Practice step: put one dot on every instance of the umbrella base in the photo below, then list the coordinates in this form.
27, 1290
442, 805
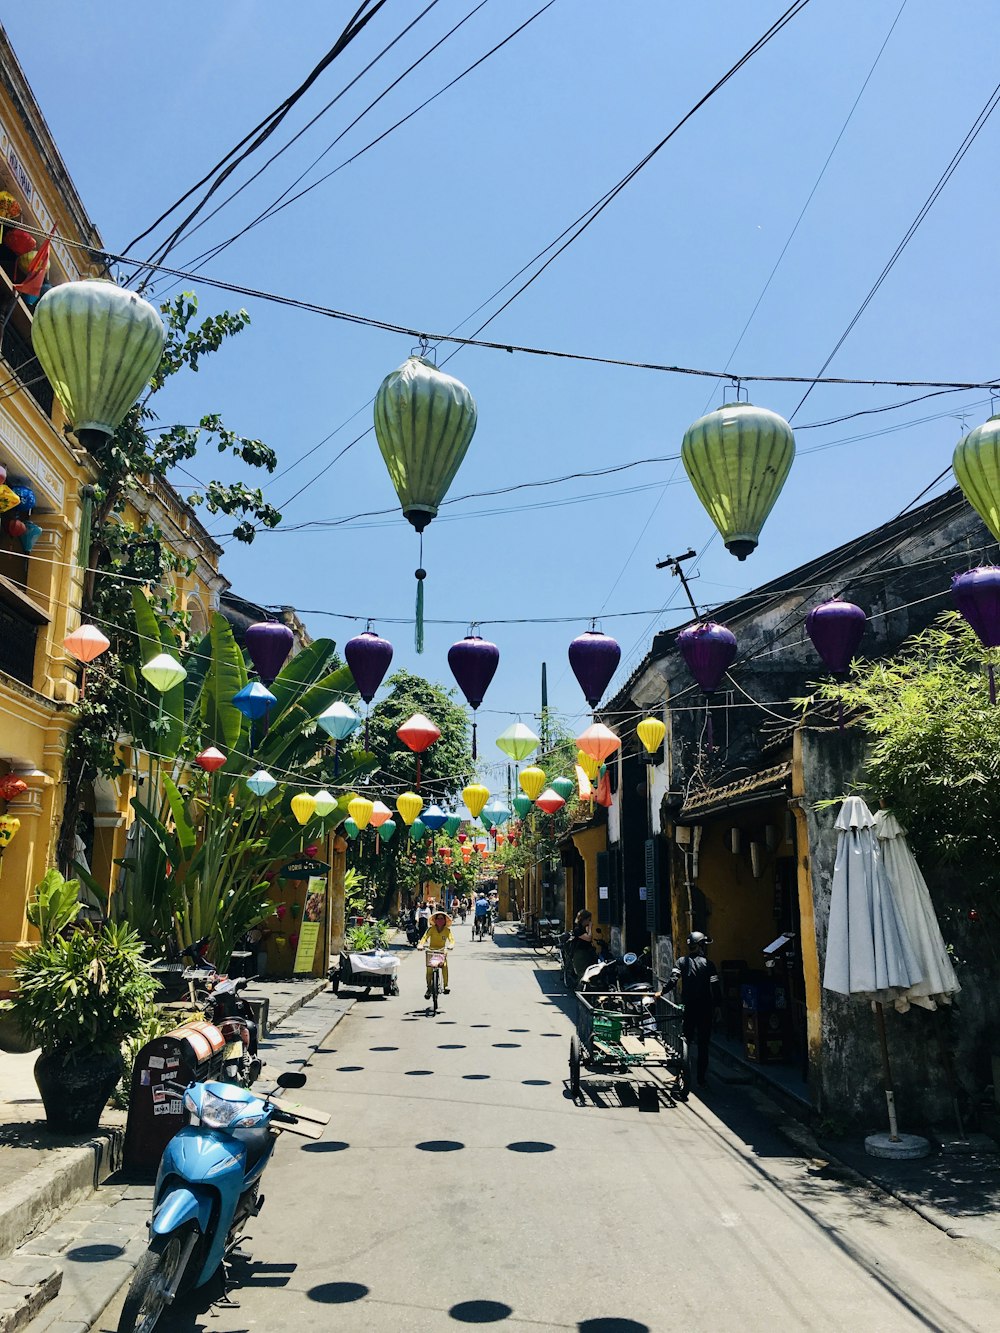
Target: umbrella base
906, 1147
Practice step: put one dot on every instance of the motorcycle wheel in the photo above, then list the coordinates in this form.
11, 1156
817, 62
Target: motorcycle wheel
575, 1056
147, 1296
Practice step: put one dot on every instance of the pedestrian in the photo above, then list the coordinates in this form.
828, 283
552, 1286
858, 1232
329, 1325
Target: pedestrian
583, 953
700, 995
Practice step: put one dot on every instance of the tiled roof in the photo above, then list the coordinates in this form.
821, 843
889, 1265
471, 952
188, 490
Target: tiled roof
768, 782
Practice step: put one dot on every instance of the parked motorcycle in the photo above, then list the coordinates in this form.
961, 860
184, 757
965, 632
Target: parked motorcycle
220, 999
626, 984
207, 1189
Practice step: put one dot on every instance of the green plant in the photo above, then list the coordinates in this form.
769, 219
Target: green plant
84, 992
934, 755
54, 905
360, 938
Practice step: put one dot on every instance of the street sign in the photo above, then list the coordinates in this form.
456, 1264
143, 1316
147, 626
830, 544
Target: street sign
303, 868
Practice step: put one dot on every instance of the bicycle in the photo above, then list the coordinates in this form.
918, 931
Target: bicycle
546, 941
479, 928
435, 961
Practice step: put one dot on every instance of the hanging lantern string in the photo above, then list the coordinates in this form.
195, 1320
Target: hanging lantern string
508, 347
418, 622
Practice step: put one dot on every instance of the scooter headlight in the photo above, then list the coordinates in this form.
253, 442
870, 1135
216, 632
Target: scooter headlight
213, 1112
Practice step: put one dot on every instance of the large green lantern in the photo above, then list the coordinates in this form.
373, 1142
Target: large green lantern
977, 471
424, 424
737, 459
98, 344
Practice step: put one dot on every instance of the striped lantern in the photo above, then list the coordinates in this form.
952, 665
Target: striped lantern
98, 345
424, 424
737, 459
977, 470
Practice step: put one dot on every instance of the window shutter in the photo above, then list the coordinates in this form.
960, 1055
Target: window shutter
652, 884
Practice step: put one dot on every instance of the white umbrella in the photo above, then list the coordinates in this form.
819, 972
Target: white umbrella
938, 981
868, 948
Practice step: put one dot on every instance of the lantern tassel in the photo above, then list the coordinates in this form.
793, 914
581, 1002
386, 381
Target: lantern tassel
993, 685
709, 729
418, 624
475, 753
336, 759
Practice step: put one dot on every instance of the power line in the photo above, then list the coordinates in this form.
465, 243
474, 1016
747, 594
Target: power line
971, 135
261, 132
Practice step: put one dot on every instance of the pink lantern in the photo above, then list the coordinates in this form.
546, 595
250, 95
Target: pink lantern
380, 813
418, 734
550, 801
86, 643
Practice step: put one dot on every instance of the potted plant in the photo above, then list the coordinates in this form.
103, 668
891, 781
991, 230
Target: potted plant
82, 991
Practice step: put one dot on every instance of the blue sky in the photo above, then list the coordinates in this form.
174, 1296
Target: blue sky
420, 230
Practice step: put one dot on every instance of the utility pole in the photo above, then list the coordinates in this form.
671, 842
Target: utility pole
545, 708
673, 563
337, 852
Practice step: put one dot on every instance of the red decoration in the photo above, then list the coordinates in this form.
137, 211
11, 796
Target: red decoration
211, 760
973, 914
11, 786
550, 801
16, 528
312, 849
463, 837
418, 733
18, 240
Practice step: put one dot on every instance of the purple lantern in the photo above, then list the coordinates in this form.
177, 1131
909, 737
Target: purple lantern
836, 629
268, 644
977, 596
708, 649
473, 662
368, 656
594, 658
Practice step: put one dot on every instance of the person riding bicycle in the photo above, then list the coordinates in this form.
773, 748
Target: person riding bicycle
482, 911
438, 939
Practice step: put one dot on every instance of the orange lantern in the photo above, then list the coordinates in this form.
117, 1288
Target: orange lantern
11, 787
550, 801
466, 854
86, 643
599, 742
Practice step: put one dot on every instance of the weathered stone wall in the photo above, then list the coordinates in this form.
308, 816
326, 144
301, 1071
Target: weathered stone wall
930, 1052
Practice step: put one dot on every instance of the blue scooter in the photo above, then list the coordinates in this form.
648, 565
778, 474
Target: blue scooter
207, 1189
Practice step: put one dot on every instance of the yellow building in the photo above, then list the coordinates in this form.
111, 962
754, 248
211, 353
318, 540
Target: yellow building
38, 591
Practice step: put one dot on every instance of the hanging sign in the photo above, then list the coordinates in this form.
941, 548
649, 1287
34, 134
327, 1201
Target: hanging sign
303, 867
312, 919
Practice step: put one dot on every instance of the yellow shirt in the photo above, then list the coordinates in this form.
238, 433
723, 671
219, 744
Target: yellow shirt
437, 939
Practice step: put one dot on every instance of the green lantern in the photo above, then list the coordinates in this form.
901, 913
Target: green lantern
486, 819
350, 828
522, 804
452, 824
977, 471
737, 459
98, 345
424, 424
417, 830
387, 831
517, 742
566, 787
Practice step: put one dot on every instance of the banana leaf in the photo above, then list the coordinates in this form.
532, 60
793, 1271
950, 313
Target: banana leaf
226, 675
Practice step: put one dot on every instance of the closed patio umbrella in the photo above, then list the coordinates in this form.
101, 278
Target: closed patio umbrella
868, 950
938, 982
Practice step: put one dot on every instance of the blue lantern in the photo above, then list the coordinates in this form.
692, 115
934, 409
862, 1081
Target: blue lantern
261, 783
338, 721
434, 818
254, 700
28, 502
30, 535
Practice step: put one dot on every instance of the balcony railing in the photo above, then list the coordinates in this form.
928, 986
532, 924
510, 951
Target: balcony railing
17, 645
18, 354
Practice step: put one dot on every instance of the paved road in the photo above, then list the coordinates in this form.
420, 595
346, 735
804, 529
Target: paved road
458, 1184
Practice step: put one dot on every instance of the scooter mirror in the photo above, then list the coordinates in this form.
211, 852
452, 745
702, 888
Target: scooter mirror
291, 1080
630, 959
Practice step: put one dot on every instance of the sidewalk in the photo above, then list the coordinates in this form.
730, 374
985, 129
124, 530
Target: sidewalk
70, 1233
956, 1188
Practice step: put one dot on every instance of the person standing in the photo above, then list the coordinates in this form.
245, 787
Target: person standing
700, 995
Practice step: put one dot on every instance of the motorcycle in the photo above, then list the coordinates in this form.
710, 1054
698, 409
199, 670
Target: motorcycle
207, 1189
219, 998
413, 931
626, 984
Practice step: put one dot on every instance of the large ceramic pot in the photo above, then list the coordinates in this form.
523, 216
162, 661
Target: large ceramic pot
76, 1091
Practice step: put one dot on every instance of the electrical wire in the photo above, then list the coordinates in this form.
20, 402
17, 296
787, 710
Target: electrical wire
218, 174
970, 137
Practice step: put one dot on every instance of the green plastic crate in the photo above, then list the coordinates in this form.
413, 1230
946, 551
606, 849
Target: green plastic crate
608, 1026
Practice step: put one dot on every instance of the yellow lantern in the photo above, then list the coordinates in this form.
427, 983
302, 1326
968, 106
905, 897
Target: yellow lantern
532, 782
8, 827
303, 807
475, 797
360, 809
651, 732
589, 764
409, 806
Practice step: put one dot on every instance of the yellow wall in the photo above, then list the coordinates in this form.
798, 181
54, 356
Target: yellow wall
741, 920
589, 843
